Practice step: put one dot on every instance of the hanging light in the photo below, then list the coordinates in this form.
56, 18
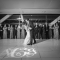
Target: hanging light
19, 17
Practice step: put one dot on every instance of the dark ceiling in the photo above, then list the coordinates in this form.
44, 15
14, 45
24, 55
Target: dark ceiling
2, 15
40, 18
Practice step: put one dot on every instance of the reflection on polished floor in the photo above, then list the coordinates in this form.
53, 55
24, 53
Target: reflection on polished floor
45, 49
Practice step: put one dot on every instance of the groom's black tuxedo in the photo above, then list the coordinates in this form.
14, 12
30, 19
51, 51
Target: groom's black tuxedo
32, 32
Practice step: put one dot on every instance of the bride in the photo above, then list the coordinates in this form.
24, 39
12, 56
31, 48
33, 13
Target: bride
27, 28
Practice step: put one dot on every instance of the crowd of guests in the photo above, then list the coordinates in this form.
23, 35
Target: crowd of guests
41, 31
11, 32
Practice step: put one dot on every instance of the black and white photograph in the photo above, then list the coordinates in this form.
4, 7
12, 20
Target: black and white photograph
29, 29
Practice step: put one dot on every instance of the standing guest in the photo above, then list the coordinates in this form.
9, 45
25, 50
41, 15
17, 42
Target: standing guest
20, 29
50, 32
5, 32
36, 31
39, 31
43, 33
1, 32
22, 33
8, 32
18, 32
15, 32
11, 32
47, 31
32, 33
56, 33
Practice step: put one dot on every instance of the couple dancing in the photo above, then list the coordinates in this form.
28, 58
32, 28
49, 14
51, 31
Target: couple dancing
28, 26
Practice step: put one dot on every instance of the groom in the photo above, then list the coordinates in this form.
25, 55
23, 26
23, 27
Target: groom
32, 33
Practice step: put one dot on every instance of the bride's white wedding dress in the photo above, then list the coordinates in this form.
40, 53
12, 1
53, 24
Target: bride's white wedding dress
27, 38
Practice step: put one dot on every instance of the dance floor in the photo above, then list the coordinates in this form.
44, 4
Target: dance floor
13, 49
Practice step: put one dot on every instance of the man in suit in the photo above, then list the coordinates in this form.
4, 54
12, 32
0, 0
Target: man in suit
36, 30
40, 31
32, 33
47, 31
15, 32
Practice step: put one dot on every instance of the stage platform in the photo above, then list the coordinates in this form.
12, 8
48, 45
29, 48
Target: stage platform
44, 49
